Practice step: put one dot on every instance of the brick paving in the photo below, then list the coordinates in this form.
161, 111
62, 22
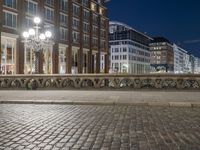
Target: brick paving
85, 127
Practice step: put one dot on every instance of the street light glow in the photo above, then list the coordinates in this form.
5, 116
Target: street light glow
48, 34
25, 34
37, 20
37, 40
42, 36
31, 32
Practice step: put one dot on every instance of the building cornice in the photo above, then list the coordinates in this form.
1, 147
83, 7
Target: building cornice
128, 27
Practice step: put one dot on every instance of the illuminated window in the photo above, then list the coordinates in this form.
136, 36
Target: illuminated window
101, 11
93, 6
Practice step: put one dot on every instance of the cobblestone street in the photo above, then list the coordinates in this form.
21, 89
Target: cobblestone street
98, 127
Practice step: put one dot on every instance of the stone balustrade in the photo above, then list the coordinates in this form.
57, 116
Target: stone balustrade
100, 81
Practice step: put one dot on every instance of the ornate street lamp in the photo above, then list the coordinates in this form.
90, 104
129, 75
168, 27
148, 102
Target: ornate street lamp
37, 40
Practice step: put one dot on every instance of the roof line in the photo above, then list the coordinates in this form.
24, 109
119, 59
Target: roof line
127, 26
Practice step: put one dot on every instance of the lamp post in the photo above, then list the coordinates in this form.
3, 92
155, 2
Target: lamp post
37, 41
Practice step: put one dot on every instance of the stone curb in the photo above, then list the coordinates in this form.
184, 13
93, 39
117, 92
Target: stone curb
158, 104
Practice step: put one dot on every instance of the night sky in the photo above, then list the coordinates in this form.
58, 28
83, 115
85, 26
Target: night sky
177, 20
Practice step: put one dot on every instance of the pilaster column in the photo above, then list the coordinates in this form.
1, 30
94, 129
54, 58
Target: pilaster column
69, 49
20, 45
55, 53
106, 63
80, 51
1, 22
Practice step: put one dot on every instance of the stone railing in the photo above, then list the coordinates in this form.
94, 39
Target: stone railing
100, 81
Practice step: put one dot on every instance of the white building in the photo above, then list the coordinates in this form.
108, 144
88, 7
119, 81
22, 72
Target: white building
188, 64
181, 60
196, 65
129, 50
184, 62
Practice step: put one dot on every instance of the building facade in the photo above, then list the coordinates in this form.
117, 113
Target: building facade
196, 65
181, 60
129, 50
80, 35
162, 56
191, 64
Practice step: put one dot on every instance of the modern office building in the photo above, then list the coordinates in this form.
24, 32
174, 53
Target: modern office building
191, 64
196, 65
80, 35
129, 50
162, 55
181, 61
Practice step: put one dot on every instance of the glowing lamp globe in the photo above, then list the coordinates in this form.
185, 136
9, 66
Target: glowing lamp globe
48, 34
25, 34
37, 20
31, 32
42, 37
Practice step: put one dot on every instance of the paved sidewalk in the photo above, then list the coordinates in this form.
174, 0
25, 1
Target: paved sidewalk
169, 98
91, 127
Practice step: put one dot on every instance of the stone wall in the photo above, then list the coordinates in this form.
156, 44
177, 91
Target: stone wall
100, 81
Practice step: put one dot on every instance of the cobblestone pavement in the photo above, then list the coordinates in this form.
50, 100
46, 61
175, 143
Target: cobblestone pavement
98, 127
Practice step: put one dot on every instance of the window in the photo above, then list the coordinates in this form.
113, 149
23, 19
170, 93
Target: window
95, 31
75, 23
86, 40
95, 42
63, 19
63, 5
10, 20
62, 60
116, 57
63, 34
86, 15
101, 11
10, 3
49, 14
85, 3
75, 37
95, 19
103, 33
103, 23
124, 57
29, 22
103, 44
75, 10
49, 27
93, 7
8, 56
86, 27
124, 49
50, 2
116, 50
31, 8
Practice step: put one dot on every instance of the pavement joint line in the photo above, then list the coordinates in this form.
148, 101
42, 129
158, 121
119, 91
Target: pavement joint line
54, 102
